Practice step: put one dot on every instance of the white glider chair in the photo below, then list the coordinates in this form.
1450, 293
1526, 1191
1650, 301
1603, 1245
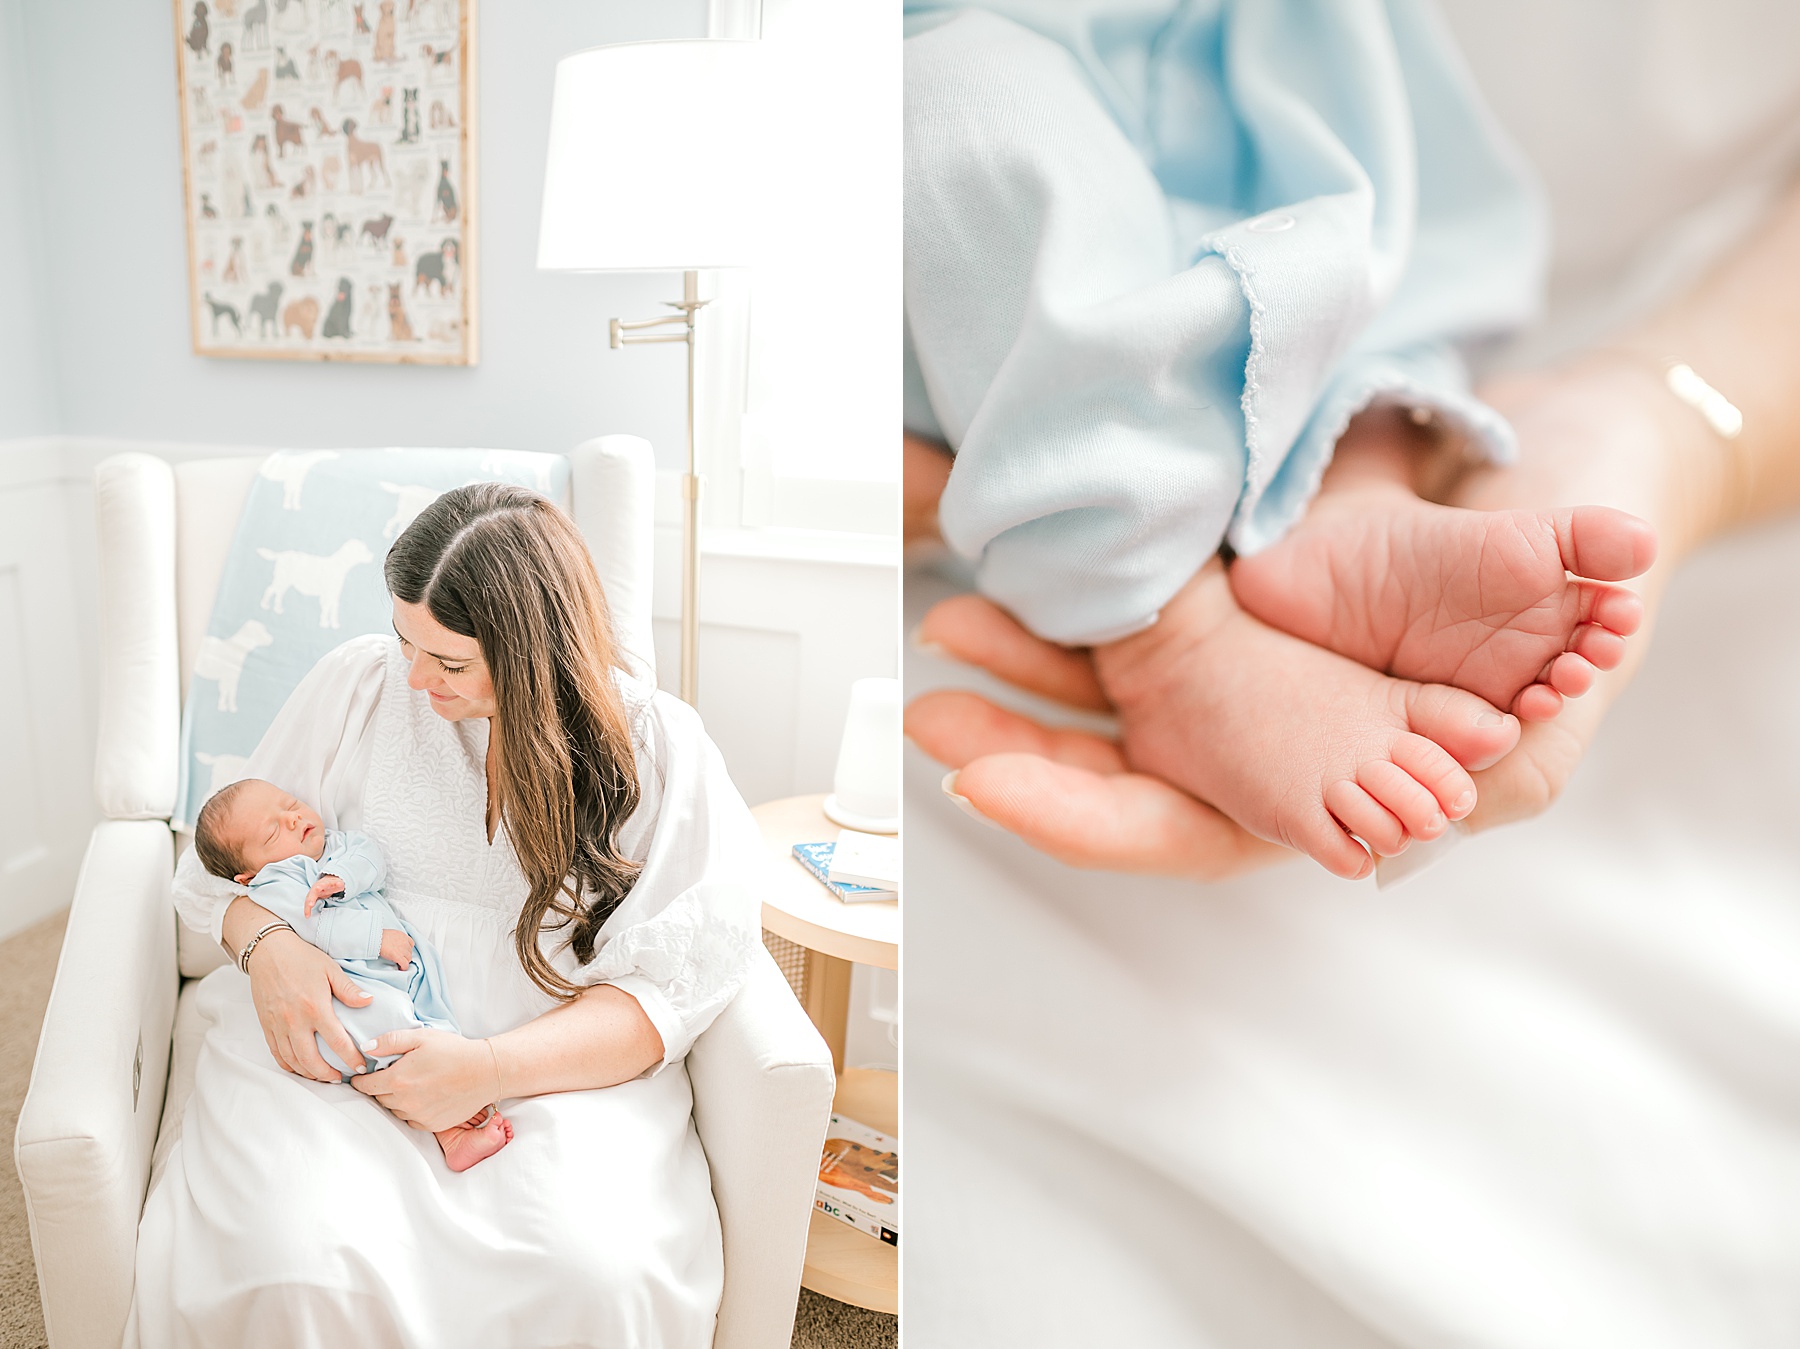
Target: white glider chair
115, 1062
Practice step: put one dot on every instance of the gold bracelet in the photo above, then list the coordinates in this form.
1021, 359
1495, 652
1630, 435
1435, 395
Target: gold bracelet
1722, 417
494, 1056
1719, 411
243, 959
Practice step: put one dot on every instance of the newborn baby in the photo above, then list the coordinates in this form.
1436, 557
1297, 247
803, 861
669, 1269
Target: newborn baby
326, 885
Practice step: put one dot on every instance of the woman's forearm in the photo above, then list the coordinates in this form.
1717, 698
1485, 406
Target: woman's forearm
243, 918
1736, 329
599, 1039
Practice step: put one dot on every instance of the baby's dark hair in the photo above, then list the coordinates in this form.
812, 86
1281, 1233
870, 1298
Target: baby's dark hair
217, 854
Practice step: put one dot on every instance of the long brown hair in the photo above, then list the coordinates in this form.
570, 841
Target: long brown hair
503, 565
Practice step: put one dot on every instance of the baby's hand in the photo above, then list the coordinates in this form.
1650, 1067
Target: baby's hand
396, 946
323, 888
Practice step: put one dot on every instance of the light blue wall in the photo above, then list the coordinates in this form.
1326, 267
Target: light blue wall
27, 384
108, 174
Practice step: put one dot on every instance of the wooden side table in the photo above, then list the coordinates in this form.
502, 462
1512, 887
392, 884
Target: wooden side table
841, 1262
834, 933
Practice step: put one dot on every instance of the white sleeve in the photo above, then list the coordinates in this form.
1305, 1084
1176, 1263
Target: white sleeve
315, 748
681, 942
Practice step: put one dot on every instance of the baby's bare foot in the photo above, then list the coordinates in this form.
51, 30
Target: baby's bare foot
1482, 600
1298, 745
466, 1144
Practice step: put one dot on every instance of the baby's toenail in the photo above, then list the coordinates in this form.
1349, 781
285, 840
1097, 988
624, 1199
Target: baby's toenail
1463, 804
1489, 719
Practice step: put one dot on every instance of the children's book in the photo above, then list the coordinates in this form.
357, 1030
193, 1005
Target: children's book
859, 1179
867, 859
816, 858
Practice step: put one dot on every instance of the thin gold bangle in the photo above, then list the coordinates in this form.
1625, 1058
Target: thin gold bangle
1719, 412
494, 1056
1722, 417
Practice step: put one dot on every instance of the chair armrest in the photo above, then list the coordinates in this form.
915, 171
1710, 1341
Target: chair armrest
137, 757
87, 1129
762, 1100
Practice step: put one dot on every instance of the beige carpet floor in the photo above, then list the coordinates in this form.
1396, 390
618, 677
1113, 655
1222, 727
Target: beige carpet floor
27, 963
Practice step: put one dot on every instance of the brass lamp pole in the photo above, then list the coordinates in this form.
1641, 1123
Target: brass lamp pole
631, 333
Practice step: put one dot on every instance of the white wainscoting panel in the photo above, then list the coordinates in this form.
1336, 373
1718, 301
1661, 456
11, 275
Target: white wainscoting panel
749, 699
839, 608
47, 691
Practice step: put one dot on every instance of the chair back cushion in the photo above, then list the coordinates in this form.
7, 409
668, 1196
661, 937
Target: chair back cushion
302, 574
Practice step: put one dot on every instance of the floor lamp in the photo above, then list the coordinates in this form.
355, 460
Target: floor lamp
655, 165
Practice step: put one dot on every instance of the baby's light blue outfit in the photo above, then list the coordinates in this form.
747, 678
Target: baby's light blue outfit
1158, 254
348, 928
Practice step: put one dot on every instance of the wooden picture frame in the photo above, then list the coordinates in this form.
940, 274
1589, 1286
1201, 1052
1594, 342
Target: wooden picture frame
330, 217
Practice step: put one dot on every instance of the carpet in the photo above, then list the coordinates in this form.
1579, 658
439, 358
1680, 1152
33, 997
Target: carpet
27, 964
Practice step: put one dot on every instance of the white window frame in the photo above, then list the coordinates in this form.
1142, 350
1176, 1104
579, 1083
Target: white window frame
748, 504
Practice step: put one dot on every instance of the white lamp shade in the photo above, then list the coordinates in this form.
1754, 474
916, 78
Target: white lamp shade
656, 153
867, 782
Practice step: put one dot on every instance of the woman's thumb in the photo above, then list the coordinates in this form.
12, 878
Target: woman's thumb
392, 1042
347, 991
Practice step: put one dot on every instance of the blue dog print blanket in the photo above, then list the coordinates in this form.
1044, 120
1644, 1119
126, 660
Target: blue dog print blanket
304, 576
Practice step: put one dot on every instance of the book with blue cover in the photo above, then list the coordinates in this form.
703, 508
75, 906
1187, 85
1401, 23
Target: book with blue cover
816, 858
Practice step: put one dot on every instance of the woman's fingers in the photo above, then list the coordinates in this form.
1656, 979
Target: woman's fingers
1528, 780
393, 1042
347, 991
954, 726
926, 471
1116, 822
977, 632
303, 1046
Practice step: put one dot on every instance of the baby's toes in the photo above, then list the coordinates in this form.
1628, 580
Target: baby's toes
1404, 797
1537, 702
1599, 647
1473, 733
1321, 839
1571, 675
1620, 610
1367, 818
1604, 544
1431, 767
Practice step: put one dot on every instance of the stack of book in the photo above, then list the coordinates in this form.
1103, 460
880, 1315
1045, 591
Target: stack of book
859, 1179
855, 867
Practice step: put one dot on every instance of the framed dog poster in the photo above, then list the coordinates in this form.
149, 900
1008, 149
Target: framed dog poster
328, 152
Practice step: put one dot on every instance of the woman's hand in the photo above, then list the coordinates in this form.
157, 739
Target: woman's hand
1068, 793
292, 984
441, 1078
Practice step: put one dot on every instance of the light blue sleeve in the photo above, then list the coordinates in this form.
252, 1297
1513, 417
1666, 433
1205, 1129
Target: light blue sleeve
1152, 268
347, 927
355, 860
282, 887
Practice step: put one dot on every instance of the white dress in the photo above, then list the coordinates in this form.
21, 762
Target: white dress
300, 1213
1545, 1095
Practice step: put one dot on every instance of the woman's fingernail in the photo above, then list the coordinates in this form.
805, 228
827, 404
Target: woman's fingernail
367, 1046
917, 641
963, 803
1463, 804
1489, 719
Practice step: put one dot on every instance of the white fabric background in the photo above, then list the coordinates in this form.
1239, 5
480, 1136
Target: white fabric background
1546, 1094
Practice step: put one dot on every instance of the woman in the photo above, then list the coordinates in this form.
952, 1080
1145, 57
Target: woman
569, 841
1535, 1097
